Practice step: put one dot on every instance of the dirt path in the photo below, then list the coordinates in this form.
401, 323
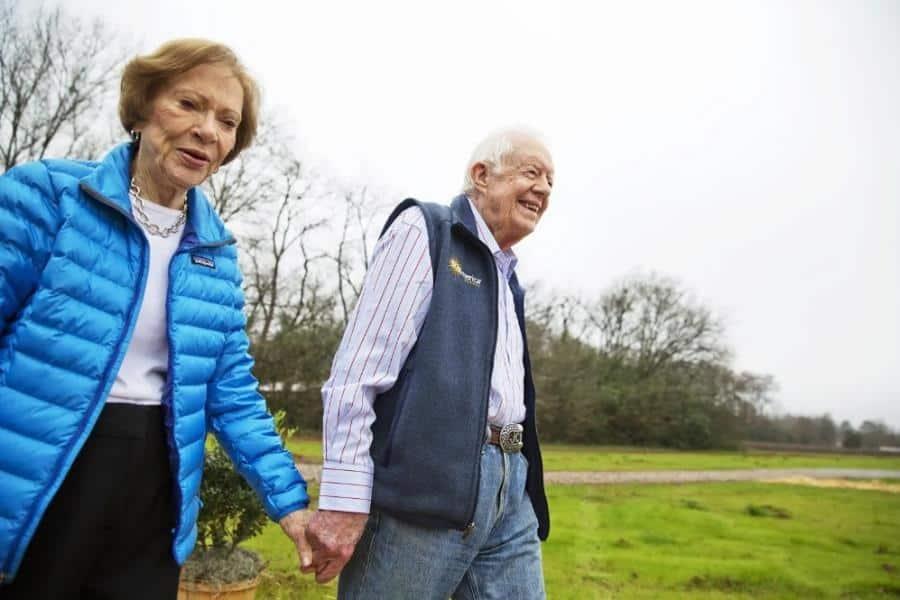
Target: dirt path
879, 486
610, 477
312, 472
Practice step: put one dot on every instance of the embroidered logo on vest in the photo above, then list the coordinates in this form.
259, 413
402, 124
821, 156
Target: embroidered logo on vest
203, 261
456, 269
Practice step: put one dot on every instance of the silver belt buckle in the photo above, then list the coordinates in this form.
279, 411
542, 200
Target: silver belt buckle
511, 438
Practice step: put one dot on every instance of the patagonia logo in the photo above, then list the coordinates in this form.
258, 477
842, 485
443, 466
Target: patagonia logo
457, 270
203, 261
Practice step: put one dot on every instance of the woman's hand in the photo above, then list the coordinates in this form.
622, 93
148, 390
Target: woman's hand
294, 526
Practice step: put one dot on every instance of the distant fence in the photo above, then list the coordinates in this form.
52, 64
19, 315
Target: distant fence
800, 448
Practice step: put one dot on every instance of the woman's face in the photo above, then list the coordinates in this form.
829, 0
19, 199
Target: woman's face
191, 128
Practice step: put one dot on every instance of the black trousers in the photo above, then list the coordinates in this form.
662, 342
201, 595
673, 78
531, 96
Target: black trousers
107, 534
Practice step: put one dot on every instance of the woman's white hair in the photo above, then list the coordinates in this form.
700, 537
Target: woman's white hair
495, 148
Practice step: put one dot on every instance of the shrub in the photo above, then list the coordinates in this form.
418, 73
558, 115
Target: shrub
231, 513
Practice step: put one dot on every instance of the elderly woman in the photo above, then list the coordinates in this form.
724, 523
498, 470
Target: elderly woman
123, 343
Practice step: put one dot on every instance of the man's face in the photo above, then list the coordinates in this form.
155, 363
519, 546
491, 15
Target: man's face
513, 196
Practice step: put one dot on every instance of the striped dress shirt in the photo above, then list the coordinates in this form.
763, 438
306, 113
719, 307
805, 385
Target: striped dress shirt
381, 332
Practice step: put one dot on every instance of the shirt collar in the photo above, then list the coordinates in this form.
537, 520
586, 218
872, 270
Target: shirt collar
506, 260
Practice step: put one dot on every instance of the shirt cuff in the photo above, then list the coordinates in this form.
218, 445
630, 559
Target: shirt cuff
345, 487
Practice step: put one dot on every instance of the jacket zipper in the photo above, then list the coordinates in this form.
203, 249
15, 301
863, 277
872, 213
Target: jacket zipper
131, 319
168, 398
130, 326
145, 254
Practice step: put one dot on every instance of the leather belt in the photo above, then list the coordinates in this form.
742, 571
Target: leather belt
508, 437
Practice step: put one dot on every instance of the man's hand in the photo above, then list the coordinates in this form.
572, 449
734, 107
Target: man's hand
333, 536
294, 526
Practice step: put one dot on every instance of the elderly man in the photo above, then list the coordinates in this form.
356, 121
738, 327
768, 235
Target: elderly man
432, 469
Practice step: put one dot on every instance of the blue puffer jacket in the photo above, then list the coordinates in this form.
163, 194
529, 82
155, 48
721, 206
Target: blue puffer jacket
73, 267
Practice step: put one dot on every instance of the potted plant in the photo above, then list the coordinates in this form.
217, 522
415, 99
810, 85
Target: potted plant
231, 513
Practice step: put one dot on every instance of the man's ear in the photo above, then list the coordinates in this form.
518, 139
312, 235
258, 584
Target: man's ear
479, 173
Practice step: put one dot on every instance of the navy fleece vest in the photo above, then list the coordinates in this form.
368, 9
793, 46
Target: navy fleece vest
430, 426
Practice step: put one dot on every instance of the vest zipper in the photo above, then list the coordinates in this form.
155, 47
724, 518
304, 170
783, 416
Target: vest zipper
470, 527
468, 530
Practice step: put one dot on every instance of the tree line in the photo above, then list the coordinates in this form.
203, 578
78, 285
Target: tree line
644, 363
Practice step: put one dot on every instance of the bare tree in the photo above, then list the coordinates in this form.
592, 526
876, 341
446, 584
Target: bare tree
275, 288
559, 314
756, 392
57, 75
250, 182
272, 200
652, 321
351, 258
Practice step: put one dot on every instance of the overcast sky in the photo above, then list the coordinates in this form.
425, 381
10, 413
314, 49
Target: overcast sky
748, 149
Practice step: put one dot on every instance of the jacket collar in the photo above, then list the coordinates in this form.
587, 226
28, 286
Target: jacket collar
110, 181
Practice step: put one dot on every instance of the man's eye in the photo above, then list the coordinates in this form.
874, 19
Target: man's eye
185, 103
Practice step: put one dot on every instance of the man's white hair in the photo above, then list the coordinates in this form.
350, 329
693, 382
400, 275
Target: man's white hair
496, 147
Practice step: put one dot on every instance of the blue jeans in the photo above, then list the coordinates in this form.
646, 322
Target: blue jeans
500, 558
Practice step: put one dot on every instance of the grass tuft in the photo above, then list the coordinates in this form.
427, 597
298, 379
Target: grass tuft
692, 504
653, 539
721, 583
767, 510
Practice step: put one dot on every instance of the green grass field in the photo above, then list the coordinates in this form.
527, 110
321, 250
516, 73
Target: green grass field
722, 540
748, 540
562, 457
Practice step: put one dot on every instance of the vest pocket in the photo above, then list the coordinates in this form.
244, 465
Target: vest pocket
399, 393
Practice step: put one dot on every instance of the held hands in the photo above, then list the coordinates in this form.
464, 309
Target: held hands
325, 541
332, 535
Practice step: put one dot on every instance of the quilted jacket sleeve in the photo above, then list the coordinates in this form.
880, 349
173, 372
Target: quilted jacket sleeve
29, 220
237, 415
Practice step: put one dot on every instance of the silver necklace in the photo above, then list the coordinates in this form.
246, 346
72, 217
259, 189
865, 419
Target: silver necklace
152, 228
